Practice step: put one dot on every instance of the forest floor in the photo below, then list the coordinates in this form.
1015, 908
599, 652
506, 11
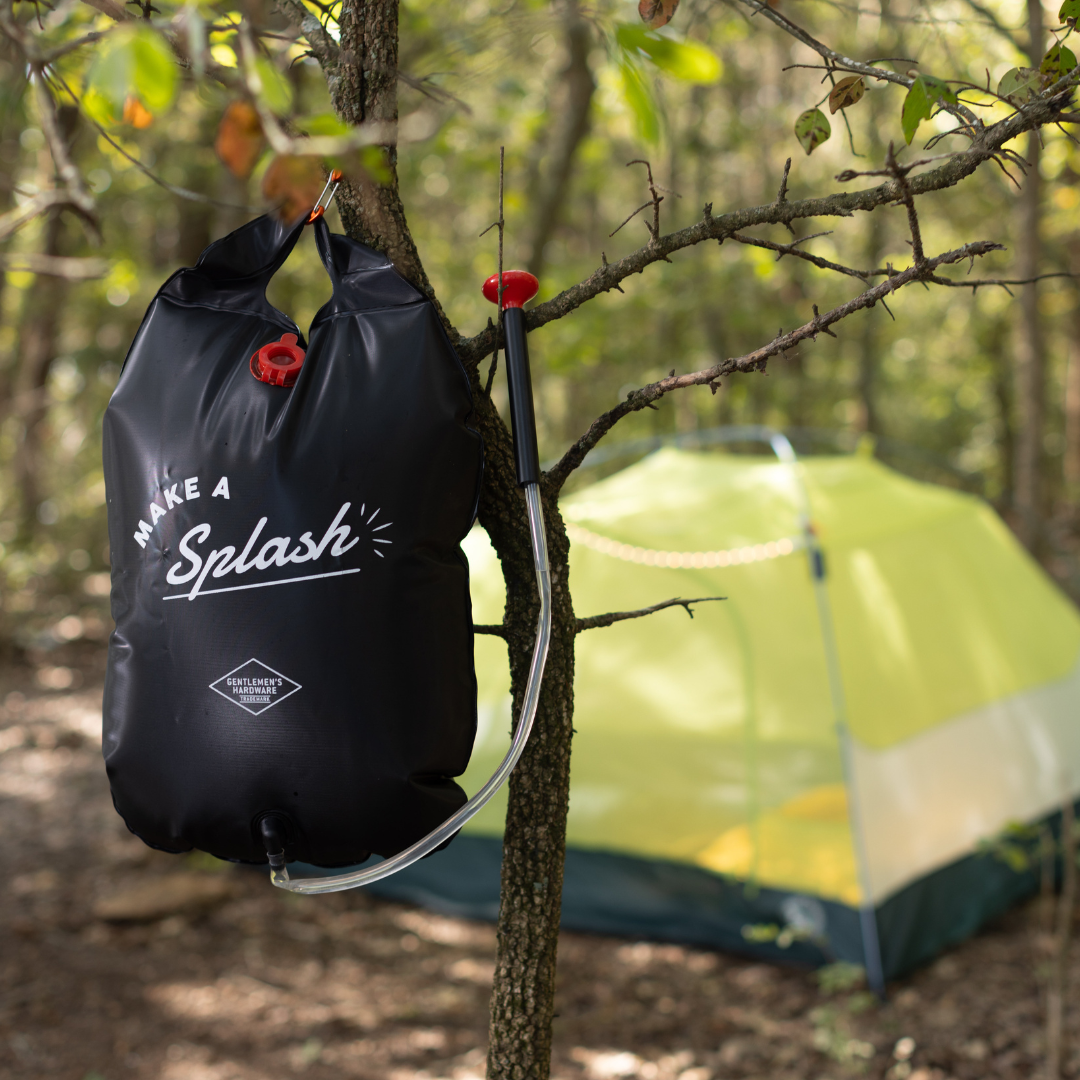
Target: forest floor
120, 962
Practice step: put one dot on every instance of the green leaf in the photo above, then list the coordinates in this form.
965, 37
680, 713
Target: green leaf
1070, 12
812, 129
639, 100
1019, 84
373, 159
926, 92
1057, 62
322, 124
689, 61
134, 61
98, 107
276, 91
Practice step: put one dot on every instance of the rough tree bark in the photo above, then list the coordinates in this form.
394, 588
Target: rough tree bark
1030, 347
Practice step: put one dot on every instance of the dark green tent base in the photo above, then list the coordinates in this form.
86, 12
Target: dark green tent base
623, 896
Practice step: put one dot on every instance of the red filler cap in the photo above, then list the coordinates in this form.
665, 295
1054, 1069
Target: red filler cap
519, 287
279, 362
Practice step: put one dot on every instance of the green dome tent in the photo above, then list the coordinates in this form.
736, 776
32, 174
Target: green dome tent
808, 768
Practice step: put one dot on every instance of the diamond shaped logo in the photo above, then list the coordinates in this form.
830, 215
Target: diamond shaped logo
255, 687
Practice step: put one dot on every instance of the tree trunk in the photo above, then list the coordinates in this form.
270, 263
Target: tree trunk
363, 85
1030, 350
39, 327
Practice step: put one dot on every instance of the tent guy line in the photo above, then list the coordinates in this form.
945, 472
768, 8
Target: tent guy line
774, 549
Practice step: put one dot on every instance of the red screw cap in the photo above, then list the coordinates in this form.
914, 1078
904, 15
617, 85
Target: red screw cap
278, 363
519, 287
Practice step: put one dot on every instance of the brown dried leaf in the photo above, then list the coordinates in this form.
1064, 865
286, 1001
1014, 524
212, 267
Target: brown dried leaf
240, 138
846, 92
293, 184
657, 13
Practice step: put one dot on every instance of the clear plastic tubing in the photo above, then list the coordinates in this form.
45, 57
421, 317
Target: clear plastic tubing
365, 876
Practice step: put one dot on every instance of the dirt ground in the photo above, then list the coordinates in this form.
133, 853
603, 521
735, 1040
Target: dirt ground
119, 962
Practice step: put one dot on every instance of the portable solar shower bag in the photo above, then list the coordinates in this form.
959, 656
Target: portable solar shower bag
291, 674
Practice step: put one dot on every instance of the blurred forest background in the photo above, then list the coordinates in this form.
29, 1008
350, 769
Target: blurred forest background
931, 389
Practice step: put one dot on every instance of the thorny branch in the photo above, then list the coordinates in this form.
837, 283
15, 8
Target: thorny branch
654, 201
986, 145
815, 260
754, 361
838, 61
900, 175
597, 621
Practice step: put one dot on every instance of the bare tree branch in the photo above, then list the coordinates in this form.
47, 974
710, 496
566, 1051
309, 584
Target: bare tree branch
597, 621
986, 145
977, 283
69, 175
323, 47
815, 260
70, 268
754, 361
496, 629
15, 219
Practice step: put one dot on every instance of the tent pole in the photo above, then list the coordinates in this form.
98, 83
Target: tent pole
875, 973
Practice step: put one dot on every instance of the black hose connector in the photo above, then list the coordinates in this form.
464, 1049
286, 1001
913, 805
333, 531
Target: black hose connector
272, 829
522, 415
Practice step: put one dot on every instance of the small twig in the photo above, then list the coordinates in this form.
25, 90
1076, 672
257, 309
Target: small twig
908, 199
595, 622
14, 219
643, 206
781, 195
815, 260
1003, 283
501, 225
69, 175
655, 201
494, 363
495, 629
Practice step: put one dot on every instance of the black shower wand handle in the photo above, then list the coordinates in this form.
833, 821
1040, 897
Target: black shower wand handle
518, 288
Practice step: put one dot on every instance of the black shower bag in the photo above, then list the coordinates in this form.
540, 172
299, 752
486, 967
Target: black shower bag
293, 624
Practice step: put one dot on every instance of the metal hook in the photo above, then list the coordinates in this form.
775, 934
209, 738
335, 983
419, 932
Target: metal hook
320, 207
